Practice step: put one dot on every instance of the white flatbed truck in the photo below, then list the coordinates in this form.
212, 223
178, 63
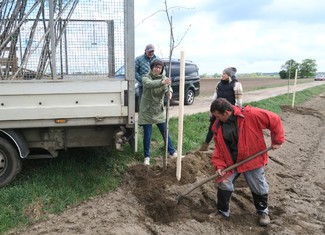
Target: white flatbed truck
40, 117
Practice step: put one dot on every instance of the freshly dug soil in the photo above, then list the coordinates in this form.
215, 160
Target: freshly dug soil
146, 203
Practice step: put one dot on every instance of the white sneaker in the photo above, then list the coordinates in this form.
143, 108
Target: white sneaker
174, 155
147, 161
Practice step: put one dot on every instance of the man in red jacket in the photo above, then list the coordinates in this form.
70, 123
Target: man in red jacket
238, 133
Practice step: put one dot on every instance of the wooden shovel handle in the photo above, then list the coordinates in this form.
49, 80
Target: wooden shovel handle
198, 184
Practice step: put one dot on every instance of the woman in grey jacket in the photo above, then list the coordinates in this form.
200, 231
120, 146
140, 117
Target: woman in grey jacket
152, 110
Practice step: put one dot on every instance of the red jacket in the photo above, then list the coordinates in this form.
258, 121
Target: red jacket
250, 122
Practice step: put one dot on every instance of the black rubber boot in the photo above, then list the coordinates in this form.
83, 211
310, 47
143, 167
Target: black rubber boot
260, 201
223, 197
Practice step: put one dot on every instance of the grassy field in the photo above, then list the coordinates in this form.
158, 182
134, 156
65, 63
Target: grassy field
49, 186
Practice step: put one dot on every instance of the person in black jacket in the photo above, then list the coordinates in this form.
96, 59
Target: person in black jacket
142, 66
230, 89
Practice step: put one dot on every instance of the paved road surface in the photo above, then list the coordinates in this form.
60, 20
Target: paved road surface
202, 104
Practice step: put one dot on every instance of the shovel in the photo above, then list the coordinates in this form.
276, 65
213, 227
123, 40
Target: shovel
198, 184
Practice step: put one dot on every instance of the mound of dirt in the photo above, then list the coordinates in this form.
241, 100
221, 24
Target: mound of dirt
158, 189
146, 203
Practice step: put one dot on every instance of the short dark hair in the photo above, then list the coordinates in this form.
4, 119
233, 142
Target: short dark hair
156, 62
221, 105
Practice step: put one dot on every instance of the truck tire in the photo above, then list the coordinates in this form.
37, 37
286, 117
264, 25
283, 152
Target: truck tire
10, 162
189, 97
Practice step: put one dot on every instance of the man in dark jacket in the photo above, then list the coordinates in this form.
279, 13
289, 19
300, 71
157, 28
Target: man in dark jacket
142, 65
238, 134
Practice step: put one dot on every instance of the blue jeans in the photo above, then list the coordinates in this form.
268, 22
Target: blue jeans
147, 130
257, 184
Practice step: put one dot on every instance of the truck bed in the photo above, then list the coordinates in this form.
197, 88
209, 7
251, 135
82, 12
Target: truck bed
79, 102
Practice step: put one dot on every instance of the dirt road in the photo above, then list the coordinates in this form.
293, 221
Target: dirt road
146, 203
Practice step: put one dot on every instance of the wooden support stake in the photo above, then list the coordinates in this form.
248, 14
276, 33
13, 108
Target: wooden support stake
180, 116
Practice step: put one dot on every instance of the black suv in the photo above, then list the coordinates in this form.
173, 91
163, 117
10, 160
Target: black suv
192, 80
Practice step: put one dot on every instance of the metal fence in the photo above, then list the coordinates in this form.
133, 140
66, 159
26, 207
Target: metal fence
87, 37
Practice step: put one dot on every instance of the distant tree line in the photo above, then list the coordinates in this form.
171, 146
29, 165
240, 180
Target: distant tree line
306, 69
241, 75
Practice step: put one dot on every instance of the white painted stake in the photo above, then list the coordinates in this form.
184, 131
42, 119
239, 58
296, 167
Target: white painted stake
136, 132
294, 89
180, 117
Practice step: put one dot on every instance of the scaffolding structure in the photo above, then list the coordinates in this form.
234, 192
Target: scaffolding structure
59, 39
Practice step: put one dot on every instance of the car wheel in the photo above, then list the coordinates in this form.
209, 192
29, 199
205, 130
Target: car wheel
189, 97
10, 163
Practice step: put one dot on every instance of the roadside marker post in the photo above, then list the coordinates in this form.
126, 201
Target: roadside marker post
294, 89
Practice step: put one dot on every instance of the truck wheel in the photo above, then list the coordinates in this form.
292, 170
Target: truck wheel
189, 97
10, 163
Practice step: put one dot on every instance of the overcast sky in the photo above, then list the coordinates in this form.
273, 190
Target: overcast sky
252, 35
